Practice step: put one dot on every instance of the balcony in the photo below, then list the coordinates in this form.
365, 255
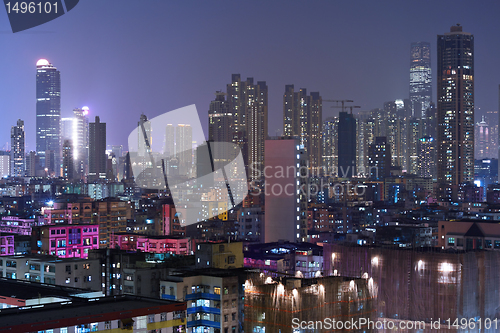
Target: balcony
203, 309
202, 322
212, 297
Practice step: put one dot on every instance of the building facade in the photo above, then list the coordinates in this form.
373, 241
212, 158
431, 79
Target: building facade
420, 78
347, 145
303, 118
455, 111
17, 150
97, 150
69, 241
285, 191
48, 116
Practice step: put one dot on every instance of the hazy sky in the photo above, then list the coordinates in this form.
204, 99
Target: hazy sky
122, 58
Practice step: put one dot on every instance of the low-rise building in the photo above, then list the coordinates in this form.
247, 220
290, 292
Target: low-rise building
16, 225
290, 305
219, 255
213, 297
75, 272
6, 245
69, 240
16, 293
469, 235
151, 244
296, 259
109, 314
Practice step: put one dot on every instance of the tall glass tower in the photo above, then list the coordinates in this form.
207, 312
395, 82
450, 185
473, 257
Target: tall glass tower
48, 116
80, 140
455, 110
420, 78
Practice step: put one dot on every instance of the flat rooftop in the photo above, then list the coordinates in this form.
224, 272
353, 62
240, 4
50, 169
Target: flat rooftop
29, 290
82, 311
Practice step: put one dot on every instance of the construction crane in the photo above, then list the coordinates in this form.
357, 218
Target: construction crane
342, 101
354, 107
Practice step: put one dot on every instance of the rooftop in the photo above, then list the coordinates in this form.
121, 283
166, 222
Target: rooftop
81, 311
28, 290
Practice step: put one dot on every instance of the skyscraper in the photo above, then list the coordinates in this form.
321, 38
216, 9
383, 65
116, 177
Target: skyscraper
67, 128
48, 116
455, 110
420, 78
256, 129
4, 164
482, 140
413, 151
248, 105
17, 156
396, 114
220, 125
97, 150
184, 148
80, 140
369, 136
303, 117
169, 146
67, 160
329, 143
347, 145
426, 158
379, 159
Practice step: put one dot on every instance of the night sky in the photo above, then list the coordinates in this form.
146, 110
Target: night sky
122, 58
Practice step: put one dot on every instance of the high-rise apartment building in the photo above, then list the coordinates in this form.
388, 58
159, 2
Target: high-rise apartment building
68, 168
4, 164
286, 194
455, 110
379, 159
220, 128
426, 157
48, 116
430, 122
220, 120
256, 129
368, 136
420, 78
249, 107
32, 164
17, 147
413, 152
329, 143
347, 145
303, 117
97, 150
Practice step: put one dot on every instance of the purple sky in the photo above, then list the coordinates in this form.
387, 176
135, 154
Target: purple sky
122, 58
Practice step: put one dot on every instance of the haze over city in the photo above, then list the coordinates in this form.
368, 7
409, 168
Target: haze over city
155, 56
249, 167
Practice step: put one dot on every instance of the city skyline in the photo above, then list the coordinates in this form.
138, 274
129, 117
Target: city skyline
96, 79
